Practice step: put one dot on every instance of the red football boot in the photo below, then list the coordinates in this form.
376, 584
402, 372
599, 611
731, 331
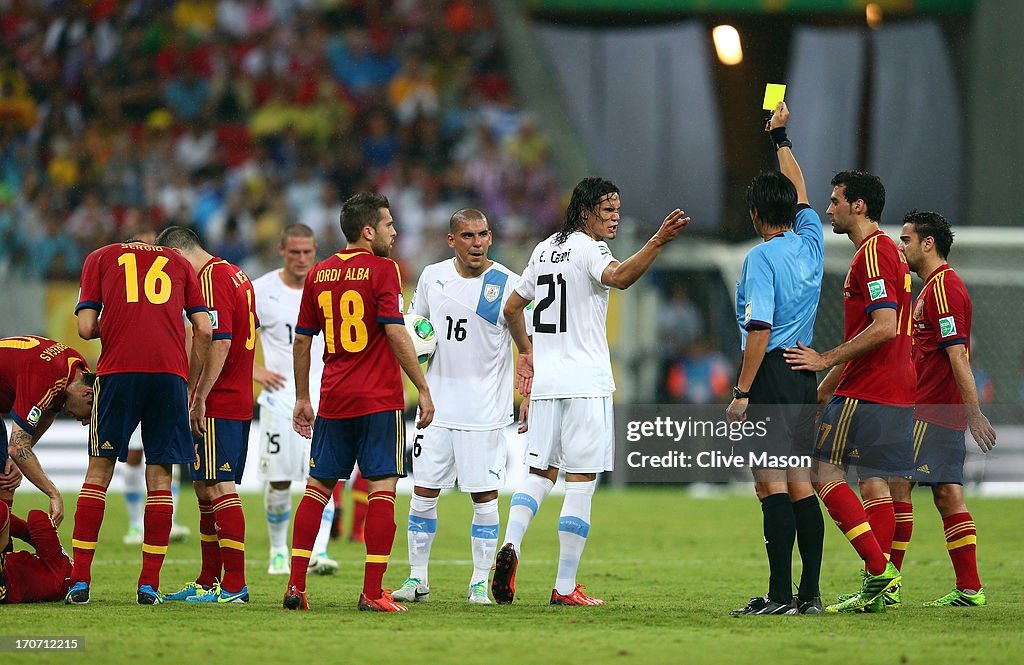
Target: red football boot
295, 599
503, 584
383, 604
577, 597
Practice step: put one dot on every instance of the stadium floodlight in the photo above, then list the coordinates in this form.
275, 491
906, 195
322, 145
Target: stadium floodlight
873, 15
727, 44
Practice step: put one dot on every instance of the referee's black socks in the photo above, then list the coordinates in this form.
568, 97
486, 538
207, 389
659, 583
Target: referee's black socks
779, 534
810, 531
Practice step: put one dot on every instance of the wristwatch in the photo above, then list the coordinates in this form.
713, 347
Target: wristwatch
739, 394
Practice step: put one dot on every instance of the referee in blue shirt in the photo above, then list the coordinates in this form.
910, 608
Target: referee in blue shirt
776, 303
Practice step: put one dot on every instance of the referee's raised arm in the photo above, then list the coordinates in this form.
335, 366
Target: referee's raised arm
784, 149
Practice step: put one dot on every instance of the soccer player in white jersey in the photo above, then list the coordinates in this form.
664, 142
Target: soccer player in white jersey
570, 413
470, 378
284, 455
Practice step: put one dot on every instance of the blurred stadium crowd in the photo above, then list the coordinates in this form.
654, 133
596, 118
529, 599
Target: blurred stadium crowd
237, 117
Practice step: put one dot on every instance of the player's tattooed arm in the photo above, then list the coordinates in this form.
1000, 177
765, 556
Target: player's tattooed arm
20, 450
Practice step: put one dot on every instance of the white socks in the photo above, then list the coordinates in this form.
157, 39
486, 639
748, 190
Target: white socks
278, 504
324, 535
525, 503
484, 538
135, 494
422, 528
573, 527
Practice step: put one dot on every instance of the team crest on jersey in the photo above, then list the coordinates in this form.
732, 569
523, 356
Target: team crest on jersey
491, 292
919, 310
876, 289
34, 415
947, 326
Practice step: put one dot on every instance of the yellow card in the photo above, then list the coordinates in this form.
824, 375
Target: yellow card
773, 94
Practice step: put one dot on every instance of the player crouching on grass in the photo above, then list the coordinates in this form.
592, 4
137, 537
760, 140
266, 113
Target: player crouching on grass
27, 577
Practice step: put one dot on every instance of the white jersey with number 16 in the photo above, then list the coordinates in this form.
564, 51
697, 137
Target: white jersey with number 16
470, 375
570, 311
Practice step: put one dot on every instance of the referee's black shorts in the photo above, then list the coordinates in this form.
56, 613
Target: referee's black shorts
788, 399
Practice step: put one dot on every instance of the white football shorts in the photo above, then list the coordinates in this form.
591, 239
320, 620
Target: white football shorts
440, 456
574, 434
135, 443
284, 455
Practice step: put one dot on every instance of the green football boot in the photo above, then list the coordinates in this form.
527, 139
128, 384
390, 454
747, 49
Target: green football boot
958, 598
873, 587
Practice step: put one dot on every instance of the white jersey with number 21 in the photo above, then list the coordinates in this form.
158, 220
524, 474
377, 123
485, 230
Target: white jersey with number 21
570, 311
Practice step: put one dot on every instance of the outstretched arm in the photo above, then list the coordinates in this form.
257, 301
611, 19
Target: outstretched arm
623, 275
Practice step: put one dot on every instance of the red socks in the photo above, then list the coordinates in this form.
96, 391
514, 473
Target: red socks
88, 518
227, 511
157, 532
904, 513
380, 536
846, 510
360, 489
882, 518
306, 526
209, 545
962, 544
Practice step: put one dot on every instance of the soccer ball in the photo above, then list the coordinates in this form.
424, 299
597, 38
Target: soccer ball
424, 340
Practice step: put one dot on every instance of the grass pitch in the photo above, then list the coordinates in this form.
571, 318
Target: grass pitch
669, 565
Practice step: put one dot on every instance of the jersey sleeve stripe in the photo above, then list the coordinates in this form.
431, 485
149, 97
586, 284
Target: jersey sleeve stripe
31, 430
88, 304
221, 335
385, 319
880, 305
871, 257
310, 332
940, 294
206, 280
196, 310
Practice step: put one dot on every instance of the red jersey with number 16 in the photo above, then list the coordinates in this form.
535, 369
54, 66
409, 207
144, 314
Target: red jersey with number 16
878, 277
140, 291
942, 318
232, 303
350, 296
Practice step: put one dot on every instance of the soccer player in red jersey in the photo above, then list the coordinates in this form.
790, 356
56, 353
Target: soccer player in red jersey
869, 390
220, 416
947, 404
27, 577
141, 291
354, 298
38, 378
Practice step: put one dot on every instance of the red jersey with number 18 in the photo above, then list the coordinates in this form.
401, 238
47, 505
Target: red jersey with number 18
232, 302
878, 277
140, 291
350, 296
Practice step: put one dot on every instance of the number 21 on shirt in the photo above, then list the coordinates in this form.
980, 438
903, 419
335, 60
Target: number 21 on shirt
556, 290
